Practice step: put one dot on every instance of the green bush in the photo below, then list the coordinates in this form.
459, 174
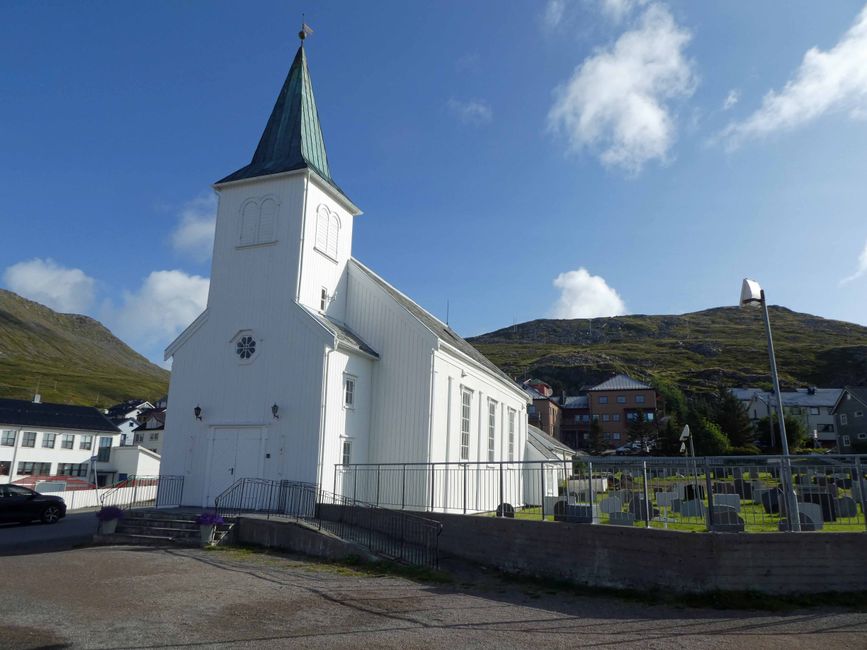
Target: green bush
749, 450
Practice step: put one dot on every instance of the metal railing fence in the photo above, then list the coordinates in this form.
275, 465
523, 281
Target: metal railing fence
394, 534
145, 492
722, 494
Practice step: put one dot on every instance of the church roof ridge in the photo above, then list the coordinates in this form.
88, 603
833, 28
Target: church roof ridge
292, 138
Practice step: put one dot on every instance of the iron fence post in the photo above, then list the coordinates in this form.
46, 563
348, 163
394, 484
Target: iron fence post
378, 472
403, 488
354, 483
592, 492
542, 492
709, 488
432, 473
860, 475
502, 509
134, 491
647, 511
465, 488
334, 483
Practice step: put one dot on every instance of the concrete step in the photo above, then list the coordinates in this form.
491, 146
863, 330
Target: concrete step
146, 540
159, 531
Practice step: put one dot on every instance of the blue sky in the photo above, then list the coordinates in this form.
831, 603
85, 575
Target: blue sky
521, 160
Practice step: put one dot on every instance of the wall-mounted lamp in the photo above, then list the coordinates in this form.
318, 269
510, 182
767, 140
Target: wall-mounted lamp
274, 410
198, 412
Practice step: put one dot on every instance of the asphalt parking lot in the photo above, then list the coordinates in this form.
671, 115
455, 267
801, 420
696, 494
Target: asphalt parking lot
135, 597
76, 528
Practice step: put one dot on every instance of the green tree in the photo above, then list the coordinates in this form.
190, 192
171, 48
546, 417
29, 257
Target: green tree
733, 419
639, 430
668, 441
795, 432
708, 438
597, 441
672, 398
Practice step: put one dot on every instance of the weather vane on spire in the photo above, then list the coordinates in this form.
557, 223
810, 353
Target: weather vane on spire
306, 30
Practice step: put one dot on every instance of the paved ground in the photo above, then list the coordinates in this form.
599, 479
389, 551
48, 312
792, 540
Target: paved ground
131, 597
76, 528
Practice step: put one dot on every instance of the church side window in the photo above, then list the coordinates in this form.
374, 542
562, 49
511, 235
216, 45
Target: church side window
347, 452
327, 231
249, 223
323, 299
511, 434
349, 391
492, 429
258, 221
466, 402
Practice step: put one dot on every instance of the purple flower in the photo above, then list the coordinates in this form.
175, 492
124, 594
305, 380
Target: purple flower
209, 519
108, 513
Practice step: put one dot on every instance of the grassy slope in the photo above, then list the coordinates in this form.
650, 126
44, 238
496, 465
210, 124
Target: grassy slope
72, 359
697, 350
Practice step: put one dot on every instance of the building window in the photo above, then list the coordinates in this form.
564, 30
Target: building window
825, 428
595, 417
347, 452
154, 436
639, 399
104, 453
39, 469
846, 441
603, 399
621, 399
68, 441
29, 439
844, 419
349, 391
258, 221
862, 436
492, 429
8, 439
632, 416
72, 469
48, 440
327, 231
139, 437
511, 434
4, 467
466, 402
615, 417
615, 436
86, 442
859, 414
245, 347
323, 299
606, 417
814, 410
648, 416
585, 418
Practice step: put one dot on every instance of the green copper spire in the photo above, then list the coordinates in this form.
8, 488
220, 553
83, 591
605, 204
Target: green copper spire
292, 138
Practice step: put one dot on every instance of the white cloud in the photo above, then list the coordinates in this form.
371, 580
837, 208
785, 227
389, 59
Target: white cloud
617, 10
731, 99
617, 101
474, 111
826, 81
194, 234
166, 302
554, 11
862, 267
60, 288
586, 296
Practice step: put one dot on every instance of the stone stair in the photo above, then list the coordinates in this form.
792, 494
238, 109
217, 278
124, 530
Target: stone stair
162, 527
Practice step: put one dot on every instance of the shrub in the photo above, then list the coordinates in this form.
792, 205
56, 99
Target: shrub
209, 519
108, 513
750, 450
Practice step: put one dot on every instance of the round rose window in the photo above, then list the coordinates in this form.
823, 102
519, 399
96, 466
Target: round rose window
245, 347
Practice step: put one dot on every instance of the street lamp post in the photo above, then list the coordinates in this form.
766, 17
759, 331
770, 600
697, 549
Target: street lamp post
753, 295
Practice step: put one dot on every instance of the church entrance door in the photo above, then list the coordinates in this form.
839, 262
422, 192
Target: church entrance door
235, 454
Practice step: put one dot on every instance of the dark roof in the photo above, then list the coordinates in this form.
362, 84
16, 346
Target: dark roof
125, 407
621, 382
53, 416
542, 441
440, 329
292, 139
344, 334
858, 393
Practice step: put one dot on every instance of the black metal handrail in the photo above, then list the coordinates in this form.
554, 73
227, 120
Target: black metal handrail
395, 534
145, 491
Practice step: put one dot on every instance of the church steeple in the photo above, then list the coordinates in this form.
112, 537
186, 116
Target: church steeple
292, 138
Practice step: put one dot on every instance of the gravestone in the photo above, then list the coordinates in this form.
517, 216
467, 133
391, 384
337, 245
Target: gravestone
810, 515
726, 520
675, 505
730, 500
611, 504
506, 510
723, 488
579, 513
638, 508
692, 492
744, 489
846, 507
826, 502
621, 519
693, 508
771, 500
665, 499
550, 503
856, 490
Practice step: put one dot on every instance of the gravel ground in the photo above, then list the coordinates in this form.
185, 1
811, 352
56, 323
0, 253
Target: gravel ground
132, 597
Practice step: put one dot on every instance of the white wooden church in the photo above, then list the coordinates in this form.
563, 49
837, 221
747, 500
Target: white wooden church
305, 359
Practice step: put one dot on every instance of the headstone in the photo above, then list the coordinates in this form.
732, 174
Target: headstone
611, 504
808, 524
621, 519
744, 489
550, 503
771, 500
726, 520
692, 492
506, 510
856, 490
665, 499
732, 501
692, 508
675, 505
846, 507
811, 516
723, 488
825, 501
579, 513
638, 508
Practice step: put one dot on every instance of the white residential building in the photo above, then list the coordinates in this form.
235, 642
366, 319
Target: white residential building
814, 407
305, 359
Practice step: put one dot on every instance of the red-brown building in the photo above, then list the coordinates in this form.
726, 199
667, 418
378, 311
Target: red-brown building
617, 402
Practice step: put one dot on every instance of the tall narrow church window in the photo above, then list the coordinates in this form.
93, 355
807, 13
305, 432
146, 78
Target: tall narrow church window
349, 391
347, 452
249, 223
492, 429
323, 299
511, 434
267, 220
466, 401
327, 231
258, 221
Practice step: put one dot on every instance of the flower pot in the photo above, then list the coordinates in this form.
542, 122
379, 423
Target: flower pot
207, 534
107, 527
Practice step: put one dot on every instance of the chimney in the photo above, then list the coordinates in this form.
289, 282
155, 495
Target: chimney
37, 398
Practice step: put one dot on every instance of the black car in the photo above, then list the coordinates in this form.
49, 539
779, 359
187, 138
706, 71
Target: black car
24, 505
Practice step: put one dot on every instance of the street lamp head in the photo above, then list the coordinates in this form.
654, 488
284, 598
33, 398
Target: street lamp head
751, 294
684, 435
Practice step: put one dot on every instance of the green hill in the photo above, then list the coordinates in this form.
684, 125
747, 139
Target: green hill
698, 350
71, 359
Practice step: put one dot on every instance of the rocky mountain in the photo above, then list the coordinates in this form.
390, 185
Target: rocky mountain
69, 358
699, 350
